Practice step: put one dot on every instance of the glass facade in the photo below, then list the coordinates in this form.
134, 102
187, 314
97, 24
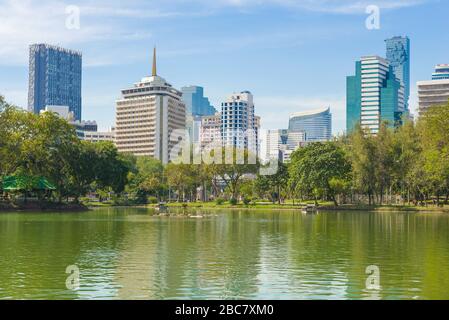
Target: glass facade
398, 54
316, 125
354, 98
54, 79
374, 94
196, 103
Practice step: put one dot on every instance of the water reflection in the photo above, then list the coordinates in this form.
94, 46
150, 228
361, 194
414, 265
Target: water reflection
133, 254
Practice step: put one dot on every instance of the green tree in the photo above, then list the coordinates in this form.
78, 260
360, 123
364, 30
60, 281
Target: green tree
316, 165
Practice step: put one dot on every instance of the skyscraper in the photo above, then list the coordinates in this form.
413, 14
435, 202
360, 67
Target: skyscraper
436, 91
239, 124
197, 106
196, 103
315, 124
54, 78
147, 114
374, 94
398, 55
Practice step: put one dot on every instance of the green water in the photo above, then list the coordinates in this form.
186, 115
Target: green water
132, 254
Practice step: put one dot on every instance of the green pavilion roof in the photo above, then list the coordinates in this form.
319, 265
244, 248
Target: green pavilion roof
22, 183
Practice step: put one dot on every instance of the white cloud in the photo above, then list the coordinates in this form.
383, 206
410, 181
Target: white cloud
30, 21
329, 6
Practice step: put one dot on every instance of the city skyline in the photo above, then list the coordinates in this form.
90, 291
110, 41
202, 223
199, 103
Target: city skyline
279, 50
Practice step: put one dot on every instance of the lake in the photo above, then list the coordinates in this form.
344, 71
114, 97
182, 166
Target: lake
127, 253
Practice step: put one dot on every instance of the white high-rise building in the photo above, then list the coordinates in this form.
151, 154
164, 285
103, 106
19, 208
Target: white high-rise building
239, 124
375, 73
434, 92
146, 116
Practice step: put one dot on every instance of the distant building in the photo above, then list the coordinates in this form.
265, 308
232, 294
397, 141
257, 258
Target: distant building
196, 103
193, 126
100, 136
374, 95
434, 92
82, 127
146, 116
210, 130
239, 124
316, 124
54, 79
275, 140
441, 72
398, 55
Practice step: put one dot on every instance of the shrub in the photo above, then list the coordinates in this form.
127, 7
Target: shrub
152, 200
233, 201
246, 201
219, 201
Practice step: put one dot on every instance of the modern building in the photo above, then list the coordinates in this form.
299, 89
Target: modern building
315, 124
147, 114
210, 130
239, 124
275, 140
398, 55
82, 127
54, 79
196, 103
193, 126
434, 92
374, 95
95, 136
441, 72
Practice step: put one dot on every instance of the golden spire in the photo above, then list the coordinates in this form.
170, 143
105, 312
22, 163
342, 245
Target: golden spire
154, 63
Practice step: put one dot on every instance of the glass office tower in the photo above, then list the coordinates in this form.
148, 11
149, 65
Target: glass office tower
374, 94
398, 54
316, 124
196, 103
54, 79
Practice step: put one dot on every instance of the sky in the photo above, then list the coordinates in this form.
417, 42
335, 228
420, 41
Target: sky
293, 55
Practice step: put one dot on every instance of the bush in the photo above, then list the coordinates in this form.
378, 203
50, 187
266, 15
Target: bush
246, 201
152, 200
219, 201
233, 201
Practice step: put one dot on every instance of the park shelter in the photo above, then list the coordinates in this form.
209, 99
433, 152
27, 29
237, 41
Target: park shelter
26, 183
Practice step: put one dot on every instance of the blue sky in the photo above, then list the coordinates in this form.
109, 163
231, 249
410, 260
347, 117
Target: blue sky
293, 55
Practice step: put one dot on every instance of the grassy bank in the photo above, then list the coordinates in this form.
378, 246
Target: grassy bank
42, 207
324, 206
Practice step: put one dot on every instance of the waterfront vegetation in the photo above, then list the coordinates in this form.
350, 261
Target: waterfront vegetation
407, 166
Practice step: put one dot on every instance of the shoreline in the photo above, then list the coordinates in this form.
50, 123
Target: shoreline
33, 208
288, 207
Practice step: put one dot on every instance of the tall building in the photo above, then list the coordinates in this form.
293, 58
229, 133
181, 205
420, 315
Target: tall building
146, 116
54, 79
374, 95
398, 55
196, 103
434, 92
239, 124
316, 124
197, 106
